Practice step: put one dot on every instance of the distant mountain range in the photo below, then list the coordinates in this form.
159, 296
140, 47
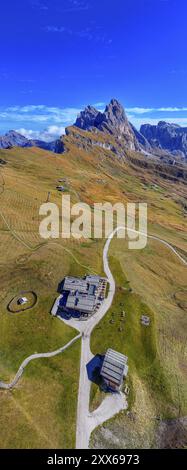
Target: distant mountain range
152, 139
170, 137
14, 139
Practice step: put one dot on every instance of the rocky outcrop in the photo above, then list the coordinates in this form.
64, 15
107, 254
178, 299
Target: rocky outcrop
141, 139
56, 146
113, 121
170, 137
2, 162
86, 118
87, 141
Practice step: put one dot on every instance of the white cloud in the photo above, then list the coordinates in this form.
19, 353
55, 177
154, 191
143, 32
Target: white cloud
39, 5
76, 5
55, 130
170, 109
86, 33
137, 110
26, 109
137, 122
140, 115
100, 104
15, 117
39, 114
49, 134
57, 29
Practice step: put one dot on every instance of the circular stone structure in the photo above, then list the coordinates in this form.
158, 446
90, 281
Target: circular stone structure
15, 307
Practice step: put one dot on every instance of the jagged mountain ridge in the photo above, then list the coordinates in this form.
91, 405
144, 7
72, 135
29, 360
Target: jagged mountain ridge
169, 138
115, 122
166, 136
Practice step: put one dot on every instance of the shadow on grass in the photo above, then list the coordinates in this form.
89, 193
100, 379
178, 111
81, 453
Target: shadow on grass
94, 374
94, 369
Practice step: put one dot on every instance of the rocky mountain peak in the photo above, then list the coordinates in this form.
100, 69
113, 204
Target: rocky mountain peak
86, 118
115, 111
167, 124
13, 133
13, 139
113, 115
113, 121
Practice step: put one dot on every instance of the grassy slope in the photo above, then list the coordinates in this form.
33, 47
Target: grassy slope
44, 404
43, 407
157, 389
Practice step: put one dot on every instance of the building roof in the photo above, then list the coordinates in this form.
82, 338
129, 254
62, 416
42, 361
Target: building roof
81, 302
93, 279
91, 290
82, 292
81, 285
74, 284
114, 367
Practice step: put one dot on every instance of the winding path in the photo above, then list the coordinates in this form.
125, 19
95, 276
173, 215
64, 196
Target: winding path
33, 357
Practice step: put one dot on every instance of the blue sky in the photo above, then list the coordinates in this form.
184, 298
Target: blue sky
59, 55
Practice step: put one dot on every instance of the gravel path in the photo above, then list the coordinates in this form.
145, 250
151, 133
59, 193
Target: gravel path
33, 357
